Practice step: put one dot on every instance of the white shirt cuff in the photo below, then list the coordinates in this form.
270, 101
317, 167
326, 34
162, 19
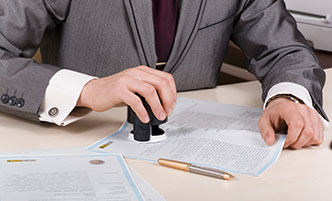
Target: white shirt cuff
297, 91
61, 96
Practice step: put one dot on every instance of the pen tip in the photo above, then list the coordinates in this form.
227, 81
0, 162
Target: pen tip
228, 177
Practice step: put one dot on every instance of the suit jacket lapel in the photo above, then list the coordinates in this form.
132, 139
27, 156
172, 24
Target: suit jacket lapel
190, 16
141, 20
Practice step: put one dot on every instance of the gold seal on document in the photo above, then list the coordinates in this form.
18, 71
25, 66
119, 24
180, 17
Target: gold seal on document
97, 162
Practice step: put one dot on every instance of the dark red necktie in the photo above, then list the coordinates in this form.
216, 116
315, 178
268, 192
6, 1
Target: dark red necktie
165, 14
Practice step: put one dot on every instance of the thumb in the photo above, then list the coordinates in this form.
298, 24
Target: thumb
266, 129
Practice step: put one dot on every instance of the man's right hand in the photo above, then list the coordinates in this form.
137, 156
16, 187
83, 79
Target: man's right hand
118, 89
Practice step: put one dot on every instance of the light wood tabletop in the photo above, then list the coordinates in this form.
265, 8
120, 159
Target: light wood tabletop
304, 174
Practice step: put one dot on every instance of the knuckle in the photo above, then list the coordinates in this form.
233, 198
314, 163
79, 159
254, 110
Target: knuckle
169, 77
163, 82
309, 132
128, 71
133, 71
317, 139
148, 90
142, 67
124, 78
297, 124
305, 110
167, 102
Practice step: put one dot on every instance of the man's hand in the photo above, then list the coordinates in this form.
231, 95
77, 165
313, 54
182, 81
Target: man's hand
305, 127
118, 89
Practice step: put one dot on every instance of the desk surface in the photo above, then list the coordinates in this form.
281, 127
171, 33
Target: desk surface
304, 174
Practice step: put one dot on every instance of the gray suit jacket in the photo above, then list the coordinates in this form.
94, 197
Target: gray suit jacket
103, 37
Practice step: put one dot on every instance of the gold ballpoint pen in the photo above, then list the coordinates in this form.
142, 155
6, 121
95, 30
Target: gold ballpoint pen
212, 172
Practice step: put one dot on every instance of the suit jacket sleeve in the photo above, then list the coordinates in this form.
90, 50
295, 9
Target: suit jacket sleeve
22, 26
275, 50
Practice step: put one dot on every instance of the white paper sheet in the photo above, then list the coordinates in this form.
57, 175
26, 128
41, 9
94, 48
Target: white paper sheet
204, 133
149, 193
67, 178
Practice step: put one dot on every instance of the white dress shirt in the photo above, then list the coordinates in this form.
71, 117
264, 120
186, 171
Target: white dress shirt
65, 87
61, 96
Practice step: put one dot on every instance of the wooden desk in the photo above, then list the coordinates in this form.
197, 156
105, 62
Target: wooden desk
304, 174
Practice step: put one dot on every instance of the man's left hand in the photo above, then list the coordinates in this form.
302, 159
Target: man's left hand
304, 126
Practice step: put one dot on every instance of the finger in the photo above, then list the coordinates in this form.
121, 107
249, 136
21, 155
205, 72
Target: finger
166, 75
162, 80
295, 125
150, 94
166, 95
317, 139
266, 129
306, 134
161, 84
136, 105
285, 111
290, 115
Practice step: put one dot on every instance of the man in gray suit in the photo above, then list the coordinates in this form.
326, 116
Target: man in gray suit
121, 43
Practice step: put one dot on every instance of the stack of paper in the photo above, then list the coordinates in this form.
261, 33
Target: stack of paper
204, 133
71, 178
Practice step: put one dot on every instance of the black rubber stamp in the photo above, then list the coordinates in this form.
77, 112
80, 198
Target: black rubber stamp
145, 132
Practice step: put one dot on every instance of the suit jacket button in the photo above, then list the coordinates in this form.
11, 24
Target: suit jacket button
20, 102
5, 99
12, 100
53, 111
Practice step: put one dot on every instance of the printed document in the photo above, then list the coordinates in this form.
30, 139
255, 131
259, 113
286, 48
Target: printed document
149, 193
204, 133
67, 178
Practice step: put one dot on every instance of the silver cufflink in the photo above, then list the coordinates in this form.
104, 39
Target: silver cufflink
53, 111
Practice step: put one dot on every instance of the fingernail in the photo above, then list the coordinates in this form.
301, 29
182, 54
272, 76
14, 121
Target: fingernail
286, 145
146, 119
162, 116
